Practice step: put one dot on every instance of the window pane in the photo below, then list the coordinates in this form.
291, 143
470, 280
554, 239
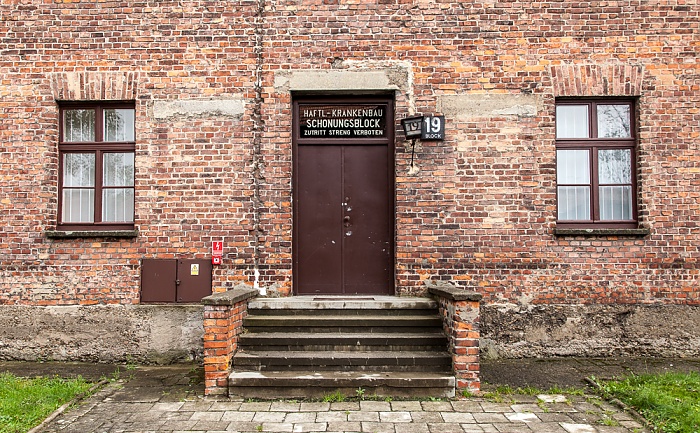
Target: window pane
572, 121
614, 121
78, 169
615, 203
615, 166
78, 125
119, 124
573, 167
574, 203
118, 169
118, 205
78, 205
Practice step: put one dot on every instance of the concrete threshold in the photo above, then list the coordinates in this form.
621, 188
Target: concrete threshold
342, 303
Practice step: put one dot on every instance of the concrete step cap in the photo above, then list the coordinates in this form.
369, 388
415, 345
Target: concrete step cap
343, 303
368, 320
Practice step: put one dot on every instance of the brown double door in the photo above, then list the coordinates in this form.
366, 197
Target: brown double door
344, 207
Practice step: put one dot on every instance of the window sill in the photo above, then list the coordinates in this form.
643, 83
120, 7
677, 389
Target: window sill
641, 232
72, 234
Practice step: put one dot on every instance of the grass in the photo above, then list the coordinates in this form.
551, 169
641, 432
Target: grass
503, 394
670, 401
360, 395
26, 402
334, 397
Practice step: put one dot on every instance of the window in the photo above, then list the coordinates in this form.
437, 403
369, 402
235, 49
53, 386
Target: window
595, 143
96, 171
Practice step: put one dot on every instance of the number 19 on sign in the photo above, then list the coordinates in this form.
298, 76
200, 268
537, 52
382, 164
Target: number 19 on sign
433, 128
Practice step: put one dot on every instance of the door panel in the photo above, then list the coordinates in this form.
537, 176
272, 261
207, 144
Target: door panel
319, 219
194, 279
158, 279
367, 213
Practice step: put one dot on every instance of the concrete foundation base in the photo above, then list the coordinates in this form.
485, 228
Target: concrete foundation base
543, 331
160, 334
154, 334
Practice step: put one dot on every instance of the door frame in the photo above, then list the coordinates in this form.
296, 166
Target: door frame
328, 99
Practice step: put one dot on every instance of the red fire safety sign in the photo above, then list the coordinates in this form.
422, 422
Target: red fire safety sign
217, 250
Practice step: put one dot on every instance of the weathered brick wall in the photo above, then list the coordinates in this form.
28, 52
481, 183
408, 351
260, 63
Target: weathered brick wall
194, 162
480, 210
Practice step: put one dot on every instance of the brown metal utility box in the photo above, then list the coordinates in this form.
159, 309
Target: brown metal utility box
175, 280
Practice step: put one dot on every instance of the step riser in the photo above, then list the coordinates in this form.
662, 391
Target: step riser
416, 339
340, 312
335, 322
343, 342
253, 359
344, 348
346, 368
312, 364
289, 384
341, 381
340, 330
320, 303
310, 391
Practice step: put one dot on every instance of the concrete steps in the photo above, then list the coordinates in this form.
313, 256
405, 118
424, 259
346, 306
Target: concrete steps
313, 346
342, 360
266, 384
343, 341
371, 322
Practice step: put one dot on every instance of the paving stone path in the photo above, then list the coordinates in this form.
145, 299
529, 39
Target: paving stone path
169, 399
158, 400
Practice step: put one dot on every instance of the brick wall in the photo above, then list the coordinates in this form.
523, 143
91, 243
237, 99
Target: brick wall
480, 211
193, 171
223, 323
459, 310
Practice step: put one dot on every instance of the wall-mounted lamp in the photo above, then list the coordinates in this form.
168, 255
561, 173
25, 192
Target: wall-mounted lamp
424, 127
412, 131
412, 126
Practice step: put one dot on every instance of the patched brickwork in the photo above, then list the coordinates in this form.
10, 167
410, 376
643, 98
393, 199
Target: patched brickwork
478, 210
94, 86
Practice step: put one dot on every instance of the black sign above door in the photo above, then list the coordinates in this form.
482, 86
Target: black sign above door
342, 121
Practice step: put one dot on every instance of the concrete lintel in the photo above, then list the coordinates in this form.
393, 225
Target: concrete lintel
383, 79
481, 105
228, 107
446, 290
230, 297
